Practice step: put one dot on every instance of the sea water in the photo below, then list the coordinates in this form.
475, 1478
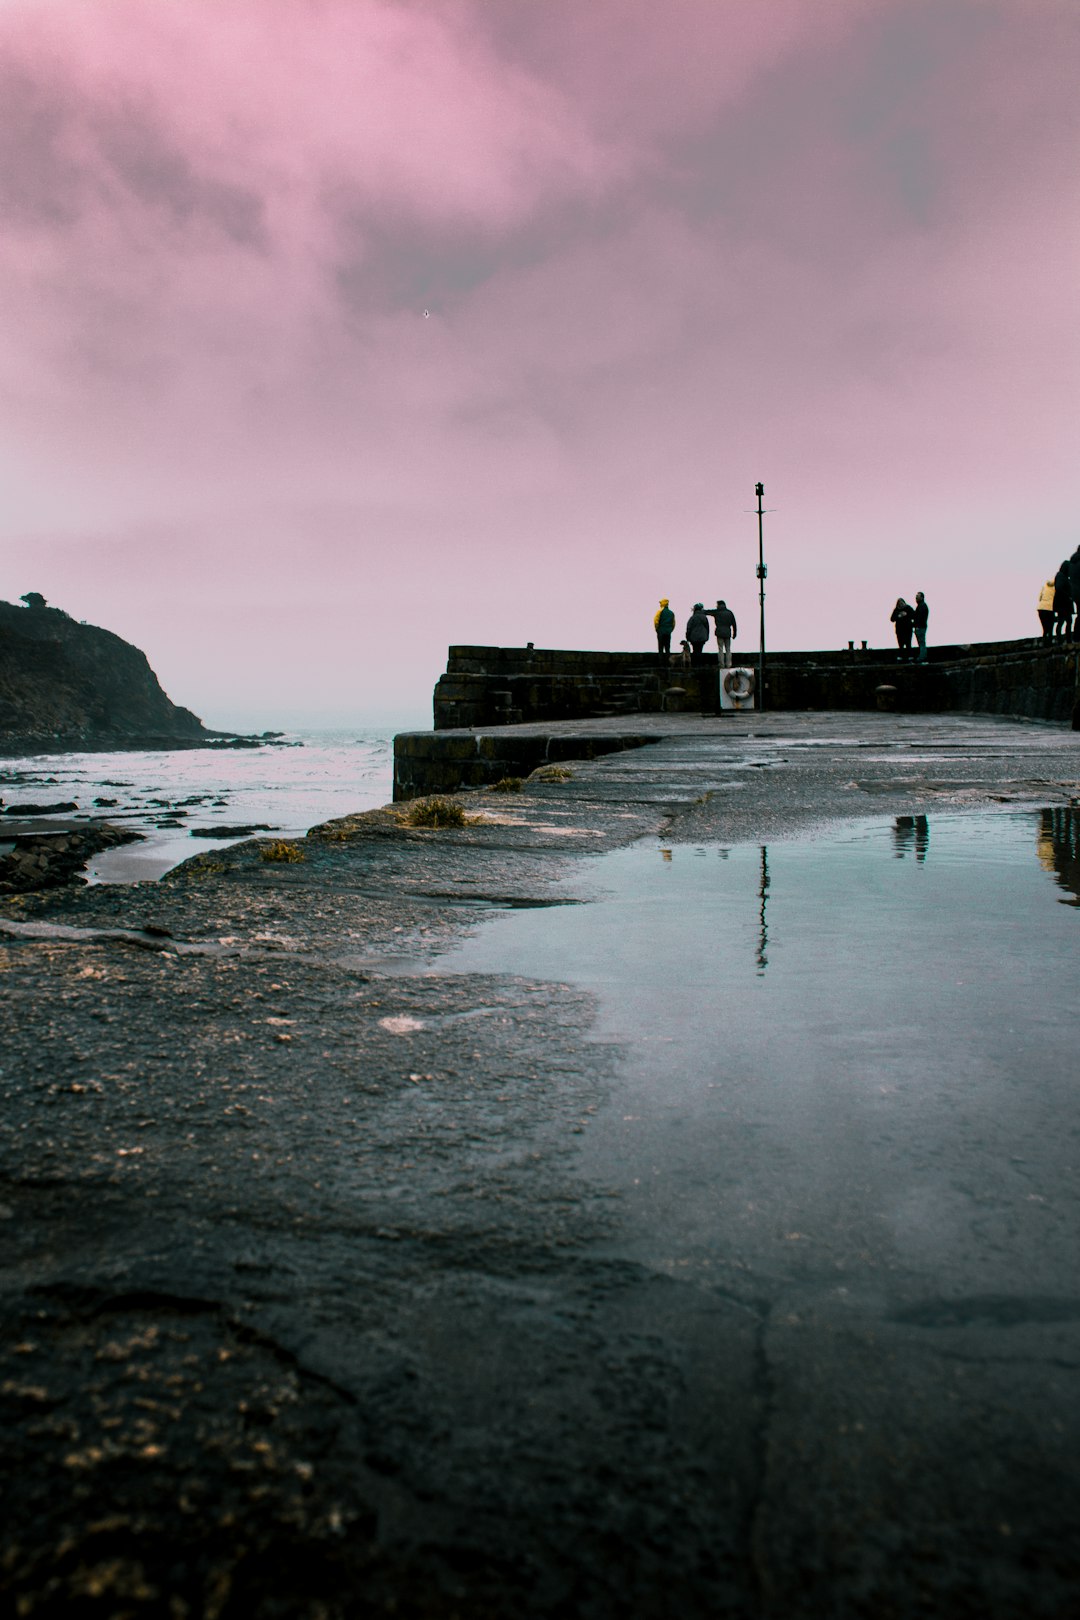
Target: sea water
174, 797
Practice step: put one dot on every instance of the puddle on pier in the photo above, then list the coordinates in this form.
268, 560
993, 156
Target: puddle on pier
853, 1051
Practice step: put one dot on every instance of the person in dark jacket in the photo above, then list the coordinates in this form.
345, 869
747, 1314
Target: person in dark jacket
1063, 603
697, 631
1074, 584
726, 629
903, 617
919, 620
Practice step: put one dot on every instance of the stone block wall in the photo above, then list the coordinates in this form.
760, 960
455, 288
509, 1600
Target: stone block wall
443, 761
486, 689
493, 686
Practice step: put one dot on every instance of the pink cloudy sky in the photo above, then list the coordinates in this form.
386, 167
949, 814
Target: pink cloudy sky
337, 330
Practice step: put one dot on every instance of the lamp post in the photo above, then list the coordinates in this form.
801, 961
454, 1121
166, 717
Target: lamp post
759, 490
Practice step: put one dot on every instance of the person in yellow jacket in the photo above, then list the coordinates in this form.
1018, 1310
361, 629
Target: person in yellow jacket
1046, 611
663, 624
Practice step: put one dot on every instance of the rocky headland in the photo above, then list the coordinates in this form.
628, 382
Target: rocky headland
71, 686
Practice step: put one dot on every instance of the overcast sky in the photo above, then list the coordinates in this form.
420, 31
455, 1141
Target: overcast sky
338, 331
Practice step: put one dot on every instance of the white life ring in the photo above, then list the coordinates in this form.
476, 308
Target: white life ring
738, 683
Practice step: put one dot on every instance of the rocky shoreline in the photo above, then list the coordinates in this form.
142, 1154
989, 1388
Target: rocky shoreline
312, 1310
21, 746
52, 855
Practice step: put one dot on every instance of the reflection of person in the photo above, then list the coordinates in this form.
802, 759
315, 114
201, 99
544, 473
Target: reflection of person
912, 833
903, 617
726, 630
1058, 848
918, 619
1063, 602
663, 624
1046, 611
697, 631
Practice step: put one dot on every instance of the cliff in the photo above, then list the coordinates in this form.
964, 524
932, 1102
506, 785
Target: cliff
69, 685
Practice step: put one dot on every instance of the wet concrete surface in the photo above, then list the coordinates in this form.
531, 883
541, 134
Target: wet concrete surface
332, 1286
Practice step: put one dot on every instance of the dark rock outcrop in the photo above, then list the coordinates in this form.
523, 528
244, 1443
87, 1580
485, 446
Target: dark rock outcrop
69, 685
52, 858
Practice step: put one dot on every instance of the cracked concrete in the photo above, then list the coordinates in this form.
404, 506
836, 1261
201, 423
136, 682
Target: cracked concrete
328, 1289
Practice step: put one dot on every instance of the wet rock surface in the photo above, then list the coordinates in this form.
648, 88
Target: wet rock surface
242, 831
40, 809
312, 1311
50, 858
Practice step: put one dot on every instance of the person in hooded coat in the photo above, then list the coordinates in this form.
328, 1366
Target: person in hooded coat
1046, 611
663, 624
698, 631
903, 617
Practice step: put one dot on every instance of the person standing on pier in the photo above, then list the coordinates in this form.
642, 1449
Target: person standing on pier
1046, 612
1063, 603
726, 630
697, 631
1074, 586
903, 617
919, 619
664, 624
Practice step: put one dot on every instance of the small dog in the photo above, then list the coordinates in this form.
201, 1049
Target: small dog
685, 645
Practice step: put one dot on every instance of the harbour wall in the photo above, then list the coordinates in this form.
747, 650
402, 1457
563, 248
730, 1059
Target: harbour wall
487, 689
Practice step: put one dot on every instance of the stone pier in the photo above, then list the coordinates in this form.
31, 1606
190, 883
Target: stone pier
503, 711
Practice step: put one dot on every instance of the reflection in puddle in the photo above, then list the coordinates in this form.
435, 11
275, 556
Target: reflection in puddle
911, 834
763, 897
832, 1050
1059, 848
667, 923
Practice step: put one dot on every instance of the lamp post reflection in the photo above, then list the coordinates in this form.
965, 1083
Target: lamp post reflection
762, 954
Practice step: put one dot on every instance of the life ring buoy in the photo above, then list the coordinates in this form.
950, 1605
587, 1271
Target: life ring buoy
738, 683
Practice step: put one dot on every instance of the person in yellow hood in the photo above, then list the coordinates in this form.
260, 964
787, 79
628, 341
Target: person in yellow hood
663, 624
1046, 611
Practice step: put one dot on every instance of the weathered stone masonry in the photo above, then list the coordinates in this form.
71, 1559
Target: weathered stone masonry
486, 689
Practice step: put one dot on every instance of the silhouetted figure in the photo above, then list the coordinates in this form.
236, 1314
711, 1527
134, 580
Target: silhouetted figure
663, 624
903, 617
919, 618
726, 630
1063, 603
1074, 585
697, 631
1046, 612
